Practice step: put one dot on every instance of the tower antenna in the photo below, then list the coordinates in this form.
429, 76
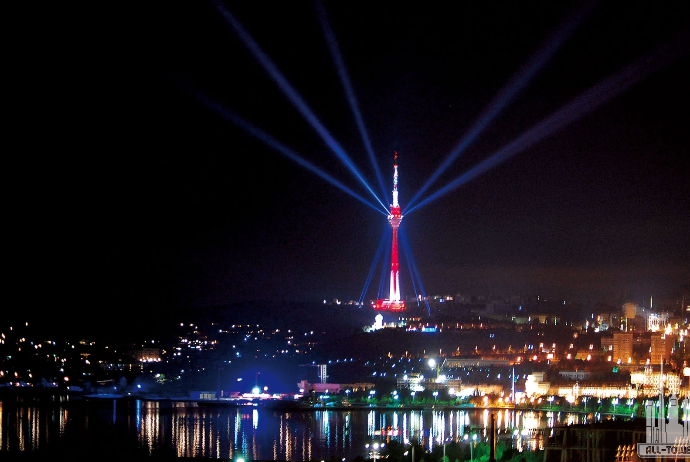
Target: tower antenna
393, 302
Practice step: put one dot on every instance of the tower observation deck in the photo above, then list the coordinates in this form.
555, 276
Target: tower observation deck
394, 303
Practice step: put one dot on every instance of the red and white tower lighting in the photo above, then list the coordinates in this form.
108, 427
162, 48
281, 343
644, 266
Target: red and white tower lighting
394, 303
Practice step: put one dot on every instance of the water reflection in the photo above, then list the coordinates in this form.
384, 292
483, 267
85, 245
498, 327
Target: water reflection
25, 426
188, 430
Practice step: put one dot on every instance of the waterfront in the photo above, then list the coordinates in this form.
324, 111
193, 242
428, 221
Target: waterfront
186, 429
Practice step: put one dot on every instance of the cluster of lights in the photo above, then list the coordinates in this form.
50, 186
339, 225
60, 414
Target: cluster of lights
375, 448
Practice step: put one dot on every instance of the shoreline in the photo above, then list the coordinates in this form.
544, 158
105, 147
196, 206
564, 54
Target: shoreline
55, 397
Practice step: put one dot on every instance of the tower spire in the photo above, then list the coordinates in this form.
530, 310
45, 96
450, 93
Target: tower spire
395, 183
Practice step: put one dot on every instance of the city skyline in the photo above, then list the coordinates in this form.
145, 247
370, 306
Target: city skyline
158, 201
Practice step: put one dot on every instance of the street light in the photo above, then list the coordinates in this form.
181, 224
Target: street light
435, 393
571, 400
444, 449
474, 438
375, 449
432, 366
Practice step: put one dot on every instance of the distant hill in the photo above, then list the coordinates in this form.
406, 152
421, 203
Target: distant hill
128, 324
284, 315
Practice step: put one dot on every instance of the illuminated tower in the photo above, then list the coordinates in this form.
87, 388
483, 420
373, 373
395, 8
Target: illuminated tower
393, 303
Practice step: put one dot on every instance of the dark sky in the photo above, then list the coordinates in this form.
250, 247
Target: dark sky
130, 194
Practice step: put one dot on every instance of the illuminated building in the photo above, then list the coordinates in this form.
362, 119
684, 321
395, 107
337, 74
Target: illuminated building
575, 375
661, 348
394, 303
456, 363
535, 385
648, 382
147, 355
630, 311
596, 390
622, 347
306, 387
657, 322
418, 382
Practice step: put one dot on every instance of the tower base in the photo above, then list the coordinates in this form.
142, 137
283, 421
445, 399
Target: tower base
389, 305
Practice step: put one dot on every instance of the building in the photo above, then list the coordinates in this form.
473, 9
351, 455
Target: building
313, 373
593, 390
607, 321
584, 354
537, 319
418, 382
661, 348
622, 347
657, 322
647, 382
146, 355
305, 387
629, 313
535, 385
575, 375
394, 302
636, 318
598, 389
480, 389
456, 363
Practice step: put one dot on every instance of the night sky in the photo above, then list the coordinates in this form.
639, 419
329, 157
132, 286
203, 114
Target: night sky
128, 193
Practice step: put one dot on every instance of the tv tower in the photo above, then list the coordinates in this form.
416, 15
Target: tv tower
393, 303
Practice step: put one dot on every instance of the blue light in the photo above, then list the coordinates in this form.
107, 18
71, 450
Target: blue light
293, 96
270, 141
587, 101
508, 93
345, 81
412, 266
377, 258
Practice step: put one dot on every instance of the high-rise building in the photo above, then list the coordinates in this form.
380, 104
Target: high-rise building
622, 347
394, 302
661, 348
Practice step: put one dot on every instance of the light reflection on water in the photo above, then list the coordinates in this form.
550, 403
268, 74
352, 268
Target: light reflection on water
188, 430
25, 428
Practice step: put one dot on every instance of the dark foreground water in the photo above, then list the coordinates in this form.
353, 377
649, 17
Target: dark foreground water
64, 426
